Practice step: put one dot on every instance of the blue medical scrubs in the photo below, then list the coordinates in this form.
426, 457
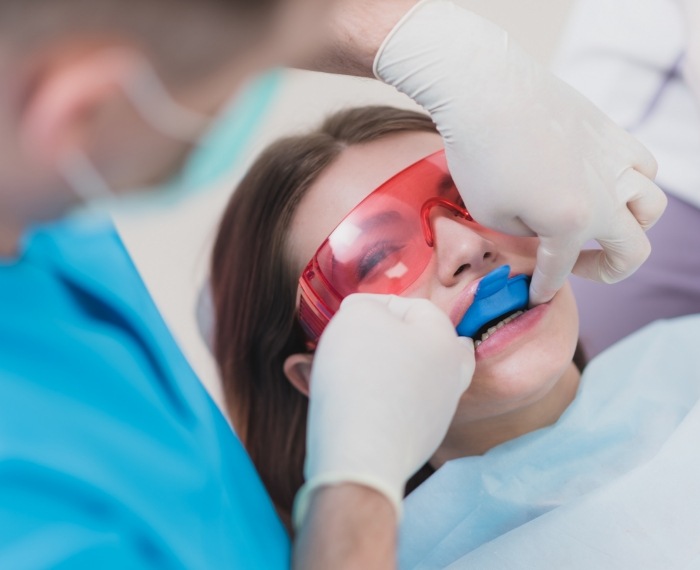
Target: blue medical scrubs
112, 454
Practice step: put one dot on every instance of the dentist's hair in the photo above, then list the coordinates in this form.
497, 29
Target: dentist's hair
181, 36
254, 289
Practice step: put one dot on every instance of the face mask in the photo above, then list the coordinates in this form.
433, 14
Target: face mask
217, 143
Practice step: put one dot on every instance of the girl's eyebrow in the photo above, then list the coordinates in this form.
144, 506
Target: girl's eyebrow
380, 219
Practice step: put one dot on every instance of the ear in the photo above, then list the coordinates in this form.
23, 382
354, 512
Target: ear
297, 369
64, 95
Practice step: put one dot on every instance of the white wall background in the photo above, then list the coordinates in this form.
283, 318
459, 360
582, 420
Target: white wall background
171, 246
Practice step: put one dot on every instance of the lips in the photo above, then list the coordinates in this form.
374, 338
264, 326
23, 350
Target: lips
463, 302
508, 337
494, 326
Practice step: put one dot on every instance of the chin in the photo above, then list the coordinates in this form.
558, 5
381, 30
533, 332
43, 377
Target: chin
507, 394
521, 378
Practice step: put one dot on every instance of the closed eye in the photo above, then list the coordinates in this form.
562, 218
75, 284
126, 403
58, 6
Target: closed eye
374, 257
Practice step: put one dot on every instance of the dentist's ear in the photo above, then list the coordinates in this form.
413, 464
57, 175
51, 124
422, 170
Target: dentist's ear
65, 95
297, 369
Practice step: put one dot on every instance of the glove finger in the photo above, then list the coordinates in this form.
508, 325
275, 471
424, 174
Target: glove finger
407, 309
641, 158
622, 254
421, 311
645, 200
398, 307
466, 347
363, 298
555, 259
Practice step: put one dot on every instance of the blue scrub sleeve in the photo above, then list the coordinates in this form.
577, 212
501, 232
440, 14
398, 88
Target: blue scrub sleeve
112, 454
49, 523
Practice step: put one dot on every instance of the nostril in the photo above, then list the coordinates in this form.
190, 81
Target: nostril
488, 255
462, 268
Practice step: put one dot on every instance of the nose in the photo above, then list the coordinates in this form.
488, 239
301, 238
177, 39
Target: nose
462, 252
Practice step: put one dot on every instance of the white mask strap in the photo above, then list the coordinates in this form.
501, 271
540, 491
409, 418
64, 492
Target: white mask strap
83, 178
158, 108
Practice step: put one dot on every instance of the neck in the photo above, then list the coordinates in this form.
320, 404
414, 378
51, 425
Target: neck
476, 437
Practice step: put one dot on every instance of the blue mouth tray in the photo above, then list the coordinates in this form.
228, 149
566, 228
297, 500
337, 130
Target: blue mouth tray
495, 296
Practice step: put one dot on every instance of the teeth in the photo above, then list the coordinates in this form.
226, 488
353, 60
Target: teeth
494, 328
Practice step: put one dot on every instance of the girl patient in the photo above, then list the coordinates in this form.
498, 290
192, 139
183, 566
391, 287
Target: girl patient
290, 201
366, 204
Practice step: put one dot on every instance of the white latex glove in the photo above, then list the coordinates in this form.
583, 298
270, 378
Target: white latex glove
529, 154
386, 379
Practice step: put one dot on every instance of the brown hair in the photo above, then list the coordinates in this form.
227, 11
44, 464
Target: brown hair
254, 290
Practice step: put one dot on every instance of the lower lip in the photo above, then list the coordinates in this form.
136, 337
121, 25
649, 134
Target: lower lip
508, 335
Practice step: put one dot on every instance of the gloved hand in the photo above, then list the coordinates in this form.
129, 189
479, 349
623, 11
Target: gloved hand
386, 379
529, 154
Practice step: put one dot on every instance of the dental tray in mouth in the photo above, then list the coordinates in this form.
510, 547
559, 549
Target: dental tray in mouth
497, 297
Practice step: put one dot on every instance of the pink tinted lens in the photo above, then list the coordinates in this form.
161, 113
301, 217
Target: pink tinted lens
380, 247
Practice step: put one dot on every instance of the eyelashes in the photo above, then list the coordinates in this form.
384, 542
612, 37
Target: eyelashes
374, 257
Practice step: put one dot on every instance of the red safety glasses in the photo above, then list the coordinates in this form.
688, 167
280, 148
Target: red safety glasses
382, 246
